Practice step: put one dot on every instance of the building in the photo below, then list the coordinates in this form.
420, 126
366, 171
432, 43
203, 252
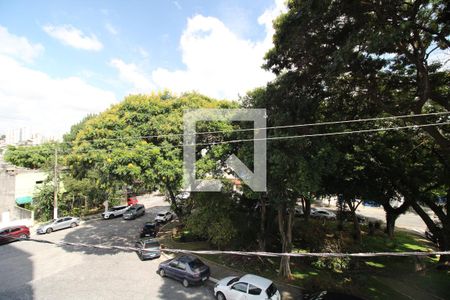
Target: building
17, 186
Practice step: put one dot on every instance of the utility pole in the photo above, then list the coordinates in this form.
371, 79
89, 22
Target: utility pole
55, 182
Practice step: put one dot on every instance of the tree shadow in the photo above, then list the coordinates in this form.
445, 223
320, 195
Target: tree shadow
114, 232
173, 289
16, 272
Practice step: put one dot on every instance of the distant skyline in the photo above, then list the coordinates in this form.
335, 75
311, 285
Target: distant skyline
61, 60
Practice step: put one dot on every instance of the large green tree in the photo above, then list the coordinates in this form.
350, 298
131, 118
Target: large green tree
383, 51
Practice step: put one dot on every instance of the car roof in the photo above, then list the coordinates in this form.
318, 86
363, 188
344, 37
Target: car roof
15, 226
256, 280
186, 258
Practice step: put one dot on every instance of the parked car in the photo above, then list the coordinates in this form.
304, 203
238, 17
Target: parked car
187, 269
246, 287
298, 211
371, 203
13, 233
348, 216
132, 201
115, 211
148, 249
57, 224
150, 229
163, 217
323, 214
327, 295
134, 211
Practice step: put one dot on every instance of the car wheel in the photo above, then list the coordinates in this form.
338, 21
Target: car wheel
162, 273
141, 257
23, 236
49, 230
220, 296
73, 225
110, 217
185, 283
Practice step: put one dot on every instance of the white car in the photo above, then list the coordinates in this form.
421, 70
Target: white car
60, 223
323, 214
163, 217
115, 211
248, 287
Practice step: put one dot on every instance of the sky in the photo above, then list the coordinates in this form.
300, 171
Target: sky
61, 60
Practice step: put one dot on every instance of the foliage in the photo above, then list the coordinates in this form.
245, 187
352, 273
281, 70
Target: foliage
32, 157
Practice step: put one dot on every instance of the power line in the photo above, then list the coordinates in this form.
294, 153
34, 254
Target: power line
263, 128
339, 133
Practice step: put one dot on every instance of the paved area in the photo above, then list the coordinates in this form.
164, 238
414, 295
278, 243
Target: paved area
30, 270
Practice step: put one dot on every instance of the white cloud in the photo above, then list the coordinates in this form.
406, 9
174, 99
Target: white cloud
71, 36
217, 61
19, 47
48, 105
131, 74
111, 29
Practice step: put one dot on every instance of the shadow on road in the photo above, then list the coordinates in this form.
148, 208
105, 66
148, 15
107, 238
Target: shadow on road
16, 273
114, 232
173, 289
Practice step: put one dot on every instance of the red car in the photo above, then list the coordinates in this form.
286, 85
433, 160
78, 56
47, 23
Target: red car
10, 234
132, 201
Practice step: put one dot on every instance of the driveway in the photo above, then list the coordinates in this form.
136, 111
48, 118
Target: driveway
31, 270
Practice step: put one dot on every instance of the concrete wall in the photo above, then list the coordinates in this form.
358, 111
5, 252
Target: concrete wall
26, 182
7, 194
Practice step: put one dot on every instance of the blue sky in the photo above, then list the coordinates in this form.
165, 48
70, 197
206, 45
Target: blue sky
64, 59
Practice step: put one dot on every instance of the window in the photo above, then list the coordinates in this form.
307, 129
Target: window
14, 229
60, 220
181, 266
271, 290
240, 286
253, 290
173, 264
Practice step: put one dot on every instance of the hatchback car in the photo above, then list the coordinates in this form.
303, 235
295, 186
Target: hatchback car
246, 287
187, 269
149, 229
115, 211
57, 224
163, 217
134, 211
323, 214
14, 233
148, 249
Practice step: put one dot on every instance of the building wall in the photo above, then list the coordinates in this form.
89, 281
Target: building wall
7, 193
26, 182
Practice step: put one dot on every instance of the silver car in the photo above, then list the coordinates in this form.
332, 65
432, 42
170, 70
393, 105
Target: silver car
57, 224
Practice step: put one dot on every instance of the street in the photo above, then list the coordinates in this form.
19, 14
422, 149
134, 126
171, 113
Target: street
31, 270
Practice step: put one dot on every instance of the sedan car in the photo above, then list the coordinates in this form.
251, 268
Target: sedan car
148, 249
246, 287
60, 223
134, 211
323, 214
14, 233
163, 217
187, 269
115, 211
149, 229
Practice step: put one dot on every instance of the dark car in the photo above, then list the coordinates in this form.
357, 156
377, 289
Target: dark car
13, 233
150, 229
187, 269
327, 295
148, 249
134, 211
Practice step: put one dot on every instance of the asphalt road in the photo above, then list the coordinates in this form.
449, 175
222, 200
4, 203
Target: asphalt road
30, 270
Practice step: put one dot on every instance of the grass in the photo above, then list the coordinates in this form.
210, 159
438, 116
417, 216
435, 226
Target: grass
369, 278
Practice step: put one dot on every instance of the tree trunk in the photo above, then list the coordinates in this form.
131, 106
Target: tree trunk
262, 225
391, 217
356, 227
285, 228
173, 203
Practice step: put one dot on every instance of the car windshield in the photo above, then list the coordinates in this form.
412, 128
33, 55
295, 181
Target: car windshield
196, 264
50, 222
149, 226
161, 215
151, 244
235, 279
271, 290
